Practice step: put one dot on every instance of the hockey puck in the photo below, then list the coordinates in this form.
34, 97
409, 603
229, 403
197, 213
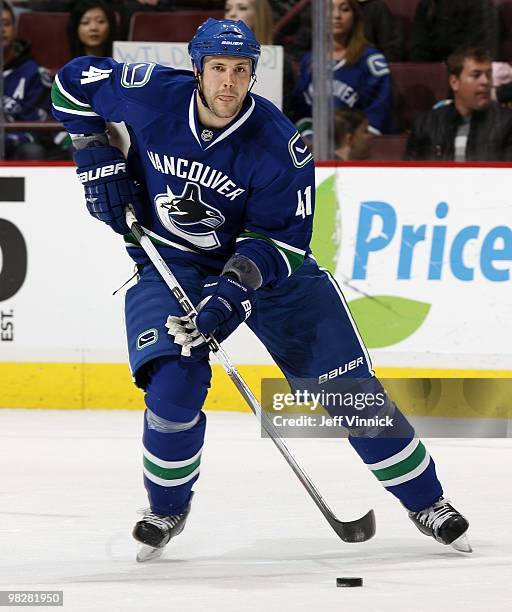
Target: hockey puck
349, 582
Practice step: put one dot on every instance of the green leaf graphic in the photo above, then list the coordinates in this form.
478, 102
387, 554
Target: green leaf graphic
384, 319
326, 240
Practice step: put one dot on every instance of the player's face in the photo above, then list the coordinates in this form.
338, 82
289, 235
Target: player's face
93, 29
245, 10
225, 81
342, 17
8, 31
472, 89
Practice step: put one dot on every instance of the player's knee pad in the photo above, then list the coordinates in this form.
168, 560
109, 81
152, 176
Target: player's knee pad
175, 393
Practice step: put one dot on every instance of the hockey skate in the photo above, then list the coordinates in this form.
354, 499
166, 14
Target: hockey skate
442, 522
154, 531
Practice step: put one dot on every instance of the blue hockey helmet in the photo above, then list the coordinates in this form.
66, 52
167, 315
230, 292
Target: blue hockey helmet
224, 37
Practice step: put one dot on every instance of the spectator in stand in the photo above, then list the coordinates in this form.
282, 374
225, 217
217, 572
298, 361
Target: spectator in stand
361, 76
352, 138
258, 16
471, 127
442, 26
92, 29
379, 29
26, 91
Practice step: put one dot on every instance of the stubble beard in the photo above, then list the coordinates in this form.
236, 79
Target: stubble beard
220, 110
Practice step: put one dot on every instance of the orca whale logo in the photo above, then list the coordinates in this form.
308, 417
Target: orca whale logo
186, 215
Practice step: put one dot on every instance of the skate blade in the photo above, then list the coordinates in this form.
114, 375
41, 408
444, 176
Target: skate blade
462, 544
148, 553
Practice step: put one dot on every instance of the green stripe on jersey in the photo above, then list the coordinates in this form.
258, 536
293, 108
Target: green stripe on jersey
403, 467
294, 256
59, 99
170, 473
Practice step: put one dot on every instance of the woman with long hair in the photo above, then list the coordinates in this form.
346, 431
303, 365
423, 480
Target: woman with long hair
92, 28
361, 76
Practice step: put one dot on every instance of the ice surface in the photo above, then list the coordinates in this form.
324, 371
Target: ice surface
71, 483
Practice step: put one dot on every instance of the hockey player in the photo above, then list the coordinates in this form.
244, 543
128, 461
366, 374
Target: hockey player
223, 184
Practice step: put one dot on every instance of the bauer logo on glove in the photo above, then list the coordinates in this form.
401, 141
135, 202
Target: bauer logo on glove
108, 170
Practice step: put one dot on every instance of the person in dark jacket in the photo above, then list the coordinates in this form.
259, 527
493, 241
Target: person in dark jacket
471, 127
379, 29
442, 26
26, 91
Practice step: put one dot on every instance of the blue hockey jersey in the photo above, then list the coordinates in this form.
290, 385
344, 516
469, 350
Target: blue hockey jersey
249, 185
365, 84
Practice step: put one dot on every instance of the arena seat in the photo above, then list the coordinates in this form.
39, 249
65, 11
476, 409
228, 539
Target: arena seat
403, 11
178, 26
388, 147
417, 87
48, 34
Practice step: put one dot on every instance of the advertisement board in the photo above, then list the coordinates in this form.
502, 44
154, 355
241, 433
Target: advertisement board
423, 256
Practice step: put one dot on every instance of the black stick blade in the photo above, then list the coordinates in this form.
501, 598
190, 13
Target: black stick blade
360, 530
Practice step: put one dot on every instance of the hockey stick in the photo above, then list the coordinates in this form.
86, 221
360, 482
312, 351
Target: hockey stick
359, 530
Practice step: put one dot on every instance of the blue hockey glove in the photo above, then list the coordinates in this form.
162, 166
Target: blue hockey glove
224, 305
107, 185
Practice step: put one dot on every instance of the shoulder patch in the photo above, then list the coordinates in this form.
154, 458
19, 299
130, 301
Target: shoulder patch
136, 75
377, 65
299, 151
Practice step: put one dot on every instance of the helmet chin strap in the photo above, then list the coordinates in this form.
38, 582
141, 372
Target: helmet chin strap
200, 91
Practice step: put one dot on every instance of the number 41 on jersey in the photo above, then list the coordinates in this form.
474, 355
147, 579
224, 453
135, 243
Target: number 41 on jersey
304, 207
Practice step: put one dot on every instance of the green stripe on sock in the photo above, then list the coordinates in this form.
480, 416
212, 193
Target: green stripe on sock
403, 467
59, 99
171, 473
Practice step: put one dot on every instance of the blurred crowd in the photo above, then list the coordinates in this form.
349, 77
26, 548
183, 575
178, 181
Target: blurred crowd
411, 79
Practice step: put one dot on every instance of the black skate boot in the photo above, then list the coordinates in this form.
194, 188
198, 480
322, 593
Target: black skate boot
154, 531
442, 522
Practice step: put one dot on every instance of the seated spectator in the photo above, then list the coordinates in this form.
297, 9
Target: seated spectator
361, 76
441, 26
471, 127
92, 29
352, 138
258, 16
379, 29
26, 90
